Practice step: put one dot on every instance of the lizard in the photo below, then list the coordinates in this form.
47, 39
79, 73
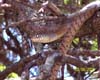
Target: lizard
66, 27
77, 20
72, 22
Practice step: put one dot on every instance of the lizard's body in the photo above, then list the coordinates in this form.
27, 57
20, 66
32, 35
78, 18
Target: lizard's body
68, 25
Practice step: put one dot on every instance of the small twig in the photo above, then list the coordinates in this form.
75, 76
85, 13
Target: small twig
89, 75
5, 5
84, 52
52, 7
33, 19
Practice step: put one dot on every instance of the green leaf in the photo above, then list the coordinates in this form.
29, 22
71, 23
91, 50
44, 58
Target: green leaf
94, 45
76, 40
66, 1
12, 75
2, 67
90, 69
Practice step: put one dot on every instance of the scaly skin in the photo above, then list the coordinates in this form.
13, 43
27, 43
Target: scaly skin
65, 27
49, 33
75, 20
66, 24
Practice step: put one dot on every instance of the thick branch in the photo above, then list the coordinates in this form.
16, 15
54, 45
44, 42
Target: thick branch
52, 7
18, 67
84, 52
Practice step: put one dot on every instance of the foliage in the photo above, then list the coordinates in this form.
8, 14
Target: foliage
2, 67
94, 45
84, 69
12, 75
66, 1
